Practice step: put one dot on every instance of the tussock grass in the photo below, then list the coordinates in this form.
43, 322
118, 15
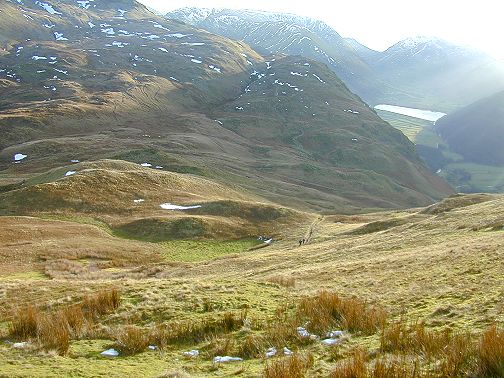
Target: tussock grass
354, 367
196, 331
102, 303
491, 353
53, 333
399, 337
131, 340
295, 366
75, 318
24, 323
396, 369
327, 309
282, 280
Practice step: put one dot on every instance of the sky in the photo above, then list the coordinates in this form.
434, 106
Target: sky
380, 24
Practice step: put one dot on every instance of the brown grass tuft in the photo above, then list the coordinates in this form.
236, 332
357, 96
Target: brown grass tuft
327, 309
101, 303
196, 331
457, 356
491, 353
396, 369
24, 323
414, 338
74, 316
53, 333
282, 280
295, 366
131, 340
252, 346
355, 367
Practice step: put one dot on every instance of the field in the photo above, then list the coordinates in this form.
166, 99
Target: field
435, 270
463, 176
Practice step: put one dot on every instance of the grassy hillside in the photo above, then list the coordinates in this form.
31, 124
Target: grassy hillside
477, 131
127, 200
463, 175
147, 90
432, 274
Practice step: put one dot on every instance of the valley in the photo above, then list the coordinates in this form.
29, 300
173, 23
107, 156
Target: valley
217, 193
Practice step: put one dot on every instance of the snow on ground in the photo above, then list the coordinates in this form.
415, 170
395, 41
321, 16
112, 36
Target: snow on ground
139, 200
319, 79
220, 359
169, 206
196, 61
19, 157
193, 43
351, 111
146, 165
177, 35
109, 31
36, 57
216, 69
119, 44
59, 37
48, 7
162, 49
191, 353
70, 173
84, 4
156, 25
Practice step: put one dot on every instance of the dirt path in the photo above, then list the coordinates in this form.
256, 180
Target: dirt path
313, 229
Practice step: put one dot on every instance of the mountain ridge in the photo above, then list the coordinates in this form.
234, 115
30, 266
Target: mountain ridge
421, 72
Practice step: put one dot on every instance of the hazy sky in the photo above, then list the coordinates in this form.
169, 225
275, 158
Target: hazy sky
379, 24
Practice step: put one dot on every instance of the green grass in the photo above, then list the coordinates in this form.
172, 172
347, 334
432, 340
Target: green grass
417, 130
196, 250
484, 178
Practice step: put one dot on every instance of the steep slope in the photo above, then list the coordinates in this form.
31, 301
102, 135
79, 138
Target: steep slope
275, 33
436, 73
111, 80
477, 131
420, 72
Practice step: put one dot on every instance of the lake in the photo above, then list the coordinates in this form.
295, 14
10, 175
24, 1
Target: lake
427, 115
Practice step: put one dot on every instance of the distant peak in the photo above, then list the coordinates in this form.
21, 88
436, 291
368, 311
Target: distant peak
418, 40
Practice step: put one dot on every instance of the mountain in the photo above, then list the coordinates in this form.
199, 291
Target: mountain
420, 72
275, 33
110, 80
477, 131
430, 69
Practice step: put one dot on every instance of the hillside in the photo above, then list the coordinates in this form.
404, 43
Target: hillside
433, 272
419, 72
281, 33
434, 73
111, 80
477, 131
